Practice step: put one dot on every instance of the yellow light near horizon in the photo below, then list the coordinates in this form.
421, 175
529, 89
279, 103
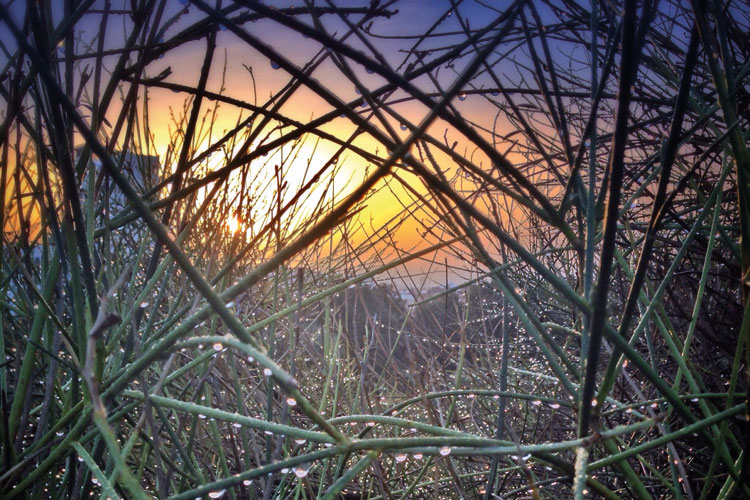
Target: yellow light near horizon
233, 224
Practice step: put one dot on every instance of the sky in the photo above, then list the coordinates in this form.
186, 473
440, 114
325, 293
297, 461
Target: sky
242, 73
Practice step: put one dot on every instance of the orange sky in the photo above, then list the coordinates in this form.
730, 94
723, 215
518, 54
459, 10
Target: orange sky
230, 77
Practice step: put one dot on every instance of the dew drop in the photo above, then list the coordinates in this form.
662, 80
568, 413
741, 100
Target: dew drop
217, 494
275, 65
236, 425
403, 126
370, 424
267, 372
291, 402
247, 482
300, 441
400, 457
536, 402
218, 346
445, 451
418, 456
201, 416
554, 406
462, 96
300, 472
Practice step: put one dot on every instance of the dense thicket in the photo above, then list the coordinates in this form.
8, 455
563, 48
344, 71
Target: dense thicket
463, 249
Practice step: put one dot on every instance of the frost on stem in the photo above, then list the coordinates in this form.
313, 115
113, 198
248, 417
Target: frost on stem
582, 458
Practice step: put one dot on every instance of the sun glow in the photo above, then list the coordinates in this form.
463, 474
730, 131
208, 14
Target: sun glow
233, 224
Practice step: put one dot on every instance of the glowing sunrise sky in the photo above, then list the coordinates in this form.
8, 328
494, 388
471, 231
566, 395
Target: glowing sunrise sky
241, 73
